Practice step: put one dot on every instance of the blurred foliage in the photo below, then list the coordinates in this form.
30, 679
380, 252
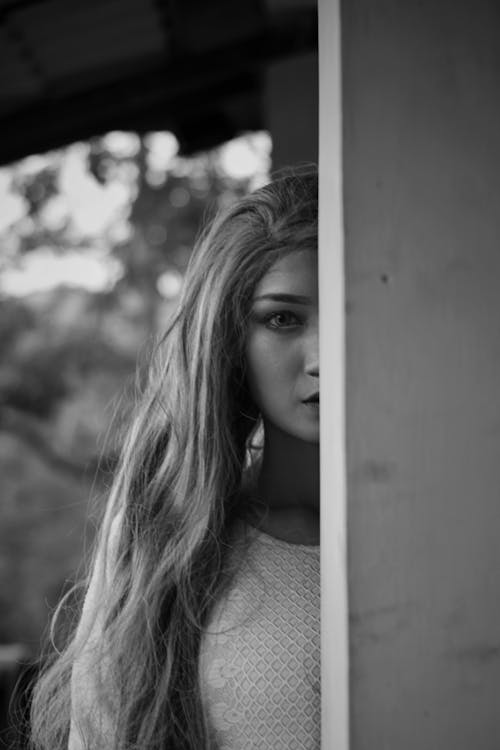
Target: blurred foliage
68, 354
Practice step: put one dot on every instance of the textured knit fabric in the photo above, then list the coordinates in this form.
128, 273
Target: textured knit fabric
260, 656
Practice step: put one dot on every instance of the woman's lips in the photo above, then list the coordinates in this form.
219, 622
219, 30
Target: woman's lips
314, 399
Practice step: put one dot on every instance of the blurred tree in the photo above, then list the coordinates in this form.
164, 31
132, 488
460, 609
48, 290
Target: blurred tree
119, 215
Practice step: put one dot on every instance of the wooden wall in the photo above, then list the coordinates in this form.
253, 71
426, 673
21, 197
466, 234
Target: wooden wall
421, 130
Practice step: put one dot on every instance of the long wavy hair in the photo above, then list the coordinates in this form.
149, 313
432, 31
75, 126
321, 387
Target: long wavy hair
161, 560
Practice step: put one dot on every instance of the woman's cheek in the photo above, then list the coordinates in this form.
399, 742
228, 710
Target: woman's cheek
264, 368
256, 360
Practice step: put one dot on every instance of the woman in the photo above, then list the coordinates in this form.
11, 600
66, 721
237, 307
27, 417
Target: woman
200, 627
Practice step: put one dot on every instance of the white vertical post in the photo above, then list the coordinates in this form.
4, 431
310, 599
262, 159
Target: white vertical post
334, 610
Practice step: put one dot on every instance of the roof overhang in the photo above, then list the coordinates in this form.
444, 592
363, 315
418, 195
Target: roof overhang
69, 71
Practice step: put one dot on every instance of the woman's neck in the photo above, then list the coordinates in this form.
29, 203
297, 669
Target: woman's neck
288, 487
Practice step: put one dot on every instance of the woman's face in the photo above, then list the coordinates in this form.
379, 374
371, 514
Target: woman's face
282, 346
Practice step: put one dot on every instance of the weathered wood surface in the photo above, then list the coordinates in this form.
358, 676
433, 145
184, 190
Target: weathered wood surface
422, 218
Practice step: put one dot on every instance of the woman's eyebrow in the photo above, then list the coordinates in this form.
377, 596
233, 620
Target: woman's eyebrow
296, 299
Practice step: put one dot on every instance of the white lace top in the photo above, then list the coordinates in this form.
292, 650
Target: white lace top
260, 656
259, 661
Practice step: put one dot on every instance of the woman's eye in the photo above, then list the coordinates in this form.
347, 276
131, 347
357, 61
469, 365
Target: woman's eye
282, 320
